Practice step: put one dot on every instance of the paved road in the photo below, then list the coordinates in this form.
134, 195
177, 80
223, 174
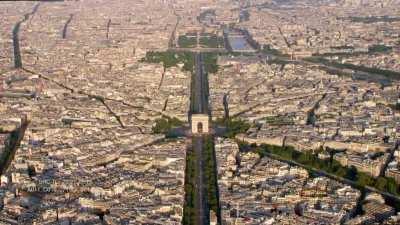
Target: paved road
199, 104
8, 221
202, 200
12, 145
200, 87
199, 50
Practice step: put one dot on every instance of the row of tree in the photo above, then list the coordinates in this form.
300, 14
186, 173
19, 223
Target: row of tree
331, 166
189, 210
386, 73
233, 126
211, 174
164, 125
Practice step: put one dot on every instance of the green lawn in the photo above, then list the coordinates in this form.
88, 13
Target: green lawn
169, 59
212, 41
187, 42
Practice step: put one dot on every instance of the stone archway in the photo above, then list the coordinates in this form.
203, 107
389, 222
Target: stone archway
200, 123
199, 127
